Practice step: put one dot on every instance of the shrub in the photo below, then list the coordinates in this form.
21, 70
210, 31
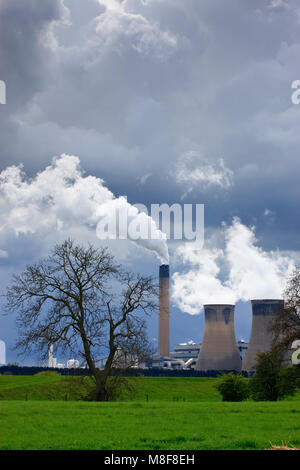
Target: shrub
119, 386
233, 387
271, 382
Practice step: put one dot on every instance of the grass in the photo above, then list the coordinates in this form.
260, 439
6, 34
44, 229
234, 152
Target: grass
182, 414
157, 388
151, 426
42, 387
190, 389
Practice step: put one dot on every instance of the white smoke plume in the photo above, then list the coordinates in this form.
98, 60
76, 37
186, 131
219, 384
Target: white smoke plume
61, 197
250, 272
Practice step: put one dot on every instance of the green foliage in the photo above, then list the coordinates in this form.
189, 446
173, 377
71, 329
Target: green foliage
272, 382
116, 387
233, 387
288, 382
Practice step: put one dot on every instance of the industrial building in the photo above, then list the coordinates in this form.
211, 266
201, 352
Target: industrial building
53, 364
191, 350
73, 364
242, 347
186, 351
164, 362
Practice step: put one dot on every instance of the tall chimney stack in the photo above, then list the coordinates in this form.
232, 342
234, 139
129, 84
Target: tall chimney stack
219, 349
263, 312
164, 312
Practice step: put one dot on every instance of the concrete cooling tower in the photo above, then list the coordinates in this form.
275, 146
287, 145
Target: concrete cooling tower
219, 349
164, 312
263, 311
2, 353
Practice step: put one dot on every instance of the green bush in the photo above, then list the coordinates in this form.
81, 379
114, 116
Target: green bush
233, 387
272, 382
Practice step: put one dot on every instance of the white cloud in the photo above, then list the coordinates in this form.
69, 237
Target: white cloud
249, 271
62, 198
277, 4
145, 36
193, 170
114, 5
144, 178
3, 254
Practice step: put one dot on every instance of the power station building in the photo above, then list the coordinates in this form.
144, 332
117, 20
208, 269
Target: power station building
191, 350
186, 351
242, 347
263, 312
219, 348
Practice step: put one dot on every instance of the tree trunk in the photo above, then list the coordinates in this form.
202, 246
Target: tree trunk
101, 394
102, 376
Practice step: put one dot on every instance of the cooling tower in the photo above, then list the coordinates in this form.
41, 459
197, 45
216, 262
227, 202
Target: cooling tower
219, 349
2, 353
263, 311
164, 312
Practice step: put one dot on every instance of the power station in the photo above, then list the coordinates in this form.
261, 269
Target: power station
219, 348
263, 312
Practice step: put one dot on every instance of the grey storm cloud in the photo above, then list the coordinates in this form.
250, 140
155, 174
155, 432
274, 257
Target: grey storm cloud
24, 56
134, 86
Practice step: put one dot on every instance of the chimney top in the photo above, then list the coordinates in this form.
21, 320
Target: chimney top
164, 270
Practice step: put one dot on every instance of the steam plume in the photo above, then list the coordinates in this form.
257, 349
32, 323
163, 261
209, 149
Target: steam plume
250, 271
61, 197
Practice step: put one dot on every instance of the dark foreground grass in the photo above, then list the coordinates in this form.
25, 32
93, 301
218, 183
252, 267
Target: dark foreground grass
151, 426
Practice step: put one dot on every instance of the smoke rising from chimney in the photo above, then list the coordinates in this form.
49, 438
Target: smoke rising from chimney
61, 197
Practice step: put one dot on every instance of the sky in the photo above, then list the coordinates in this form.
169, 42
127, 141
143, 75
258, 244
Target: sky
111, 103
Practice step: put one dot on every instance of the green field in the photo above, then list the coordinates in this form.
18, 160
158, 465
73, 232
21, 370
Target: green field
182, 413
60, 388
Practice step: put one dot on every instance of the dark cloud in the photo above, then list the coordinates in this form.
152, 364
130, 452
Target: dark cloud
24, 53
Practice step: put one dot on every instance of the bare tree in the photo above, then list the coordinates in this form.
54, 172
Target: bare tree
81, 300
286, 324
